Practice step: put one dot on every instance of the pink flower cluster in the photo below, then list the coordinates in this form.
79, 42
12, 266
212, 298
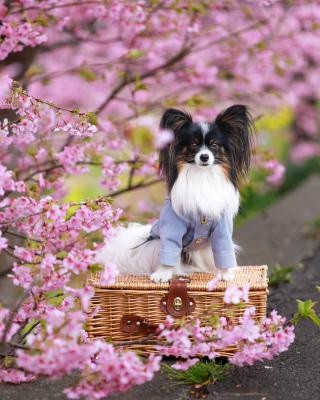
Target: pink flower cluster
255, 340
5, 88
17, 35
111, 171
164, 137
58, 350
4, 316
103, 378
13, 375
276, 172
272, 338
233, 295
82, 129
7, 183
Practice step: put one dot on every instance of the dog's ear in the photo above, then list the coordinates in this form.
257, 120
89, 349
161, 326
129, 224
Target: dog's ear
174, 120
236, 123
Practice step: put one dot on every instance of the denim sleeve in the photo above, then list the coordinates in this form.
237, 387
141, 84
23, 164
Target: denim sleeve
222, 244
172, 228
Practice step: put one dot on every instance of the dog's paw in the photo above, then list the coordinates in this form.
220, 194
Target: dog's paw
162, 274
227, 274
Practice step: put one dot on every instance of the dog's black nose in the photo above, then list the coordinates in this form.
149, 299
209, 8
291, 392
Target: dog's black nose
204, 157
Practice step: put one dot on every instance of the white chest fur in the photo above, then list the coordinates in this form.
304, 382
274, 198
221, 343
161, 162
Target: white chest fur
198, 191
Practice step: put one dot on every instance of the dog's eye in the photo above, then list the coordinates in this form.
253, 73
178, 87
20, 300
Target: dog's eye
194, 145
213, 145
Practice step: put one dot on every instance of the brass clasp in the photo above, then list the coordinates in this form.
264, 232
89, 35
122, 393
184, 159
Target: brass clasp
203, 220
177, 303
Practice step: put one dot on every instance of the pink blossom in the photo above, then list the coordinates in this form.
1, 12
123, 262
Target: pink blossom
164, 137
22, 276
213, 283
277, 172
82, 129
5, 87
77, 261
70, 158
41, 155
23, 254
304, 150
4, 316
84, 295
3, 242
184, 365
234, 295
12, 375
108, 274
111, 171
6, 181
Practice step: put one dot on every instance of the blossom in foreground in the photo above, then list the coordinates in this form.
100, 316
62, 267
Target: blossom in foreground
256, 340
276, 172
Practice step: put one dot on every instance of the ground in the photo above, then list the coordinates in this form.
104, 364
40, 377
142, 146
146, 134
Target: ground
277, 235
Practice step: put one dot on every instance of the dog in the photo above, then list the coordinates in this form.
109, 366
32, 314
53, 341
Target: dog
203, 167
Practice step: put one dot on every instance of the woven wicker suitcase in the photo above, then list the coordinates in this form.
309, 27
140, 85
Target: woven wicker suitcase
133, 306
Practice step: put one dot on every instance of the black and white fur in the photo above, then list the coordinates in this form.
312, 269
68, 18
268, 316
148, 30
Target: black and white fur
203, 167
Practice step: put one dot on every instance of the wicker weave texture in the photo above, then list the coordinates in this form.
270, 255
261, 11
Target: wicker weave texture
138, 295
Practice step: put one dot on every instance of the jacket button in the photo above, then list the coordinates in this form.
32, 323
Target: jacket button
203, 220
199, 240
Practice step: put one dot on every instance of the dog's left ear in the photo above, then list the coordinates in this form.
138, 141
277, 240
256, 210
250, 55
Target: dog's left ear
175, 120
236, 123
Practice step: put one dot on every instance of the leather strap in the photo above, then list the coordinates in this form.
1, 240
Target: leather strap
131, 323
177, 302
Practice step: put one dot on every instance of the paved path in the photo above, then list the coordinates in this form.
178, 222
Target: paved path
274, 236
277, 234
294, 375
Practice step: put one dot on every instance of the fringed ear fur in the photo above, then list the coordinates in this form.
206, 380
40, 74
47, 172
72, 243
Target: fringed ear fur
174, 120
236, 123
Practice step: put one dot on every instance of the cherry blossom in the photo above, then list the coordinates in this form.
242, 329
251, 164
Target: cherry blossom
82, 86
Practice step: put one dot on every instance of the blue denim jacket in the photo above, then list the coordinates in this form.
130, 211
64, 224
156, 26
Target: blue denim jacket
177, 234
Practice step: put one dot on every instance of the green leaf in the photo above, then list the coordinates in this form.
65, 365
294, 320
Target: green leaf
55, 297
280, 274
315, 318
306, 310
201, 373
305, 307
92, 117
142, 138
88, 74
139, 84
196, 101
135, 53
214, 320
96, 268
42, 19
34, 69
62, 254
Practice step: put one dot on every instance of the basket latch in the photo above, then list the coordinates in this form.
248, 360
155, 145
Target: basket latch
132, 323
177, 302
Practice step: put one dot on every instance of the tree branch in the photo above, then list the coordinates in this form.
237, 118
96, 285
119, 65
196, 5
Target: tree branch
140, 185
75, 3
126, 81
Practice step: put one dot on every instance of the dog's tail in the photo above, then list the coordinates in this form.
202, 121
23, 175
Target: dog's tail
131, 251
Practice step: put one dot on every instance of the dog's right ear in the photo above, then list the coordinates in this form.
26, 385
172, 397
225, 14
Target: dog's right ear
175, 119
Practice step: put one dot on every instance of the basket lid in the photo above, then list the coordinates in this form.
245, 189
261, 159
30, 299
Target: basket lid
255, 276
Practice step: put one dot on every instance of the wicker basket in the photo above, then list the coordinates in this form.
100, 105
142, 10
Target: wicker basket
135, 300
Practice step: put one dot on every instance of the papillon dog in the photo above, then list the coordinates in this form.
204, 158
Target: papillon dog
203, 167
